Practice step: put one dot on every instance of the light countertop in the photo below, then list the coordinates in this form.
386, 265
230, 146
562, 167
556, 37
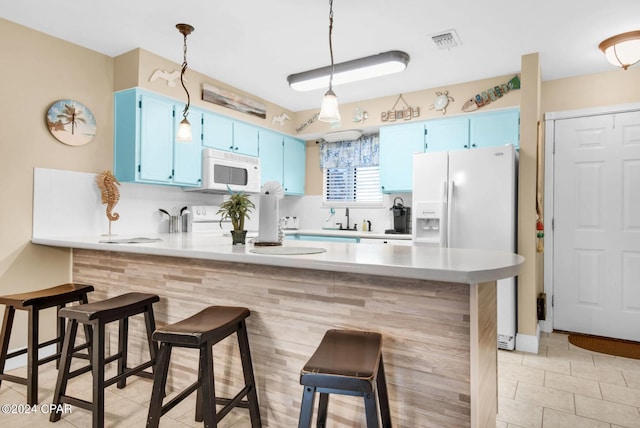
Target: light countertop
418, 262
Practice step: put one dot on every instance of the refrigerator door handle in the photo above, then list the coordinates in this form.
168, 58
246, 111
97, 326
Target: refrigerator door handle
444, 226
450, 208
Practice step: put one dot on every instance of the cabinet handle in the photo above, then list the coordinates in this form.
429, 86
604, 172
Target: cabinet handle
230, 147
473, 145
466, 146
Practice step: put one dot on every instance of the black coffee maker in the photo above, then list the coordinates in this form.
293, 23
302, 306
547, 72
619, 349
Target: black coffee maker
401, 217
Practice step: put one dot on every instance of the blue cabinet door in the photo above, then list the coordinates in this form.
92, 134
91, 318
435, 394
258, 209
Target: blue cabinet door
397, 146
217, 132
156, 139
125, 135
271, 157
187, 157
245, 139
446, 134
495, 129
293, 176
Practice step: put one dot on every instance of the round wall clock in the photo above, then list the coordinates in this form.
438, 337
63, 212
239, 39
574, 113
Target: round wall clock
70, 122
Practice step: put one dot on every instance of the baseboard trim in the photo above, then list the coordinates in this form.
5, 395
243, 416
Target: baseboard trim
528, 343
21, 360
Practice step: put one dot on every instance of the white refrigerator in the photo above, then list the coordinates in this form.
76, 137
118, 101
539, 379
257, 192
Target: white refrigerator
467, 199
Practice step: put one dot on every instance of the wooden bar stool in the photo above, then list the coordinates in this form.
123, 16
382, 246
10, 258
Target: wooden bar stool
34, 302
96, 315
202, 331
349, 363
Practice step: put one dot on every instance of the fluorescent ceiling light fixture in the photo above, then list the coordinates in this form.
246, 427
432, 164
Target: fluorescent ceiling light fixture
622, 50
351, 71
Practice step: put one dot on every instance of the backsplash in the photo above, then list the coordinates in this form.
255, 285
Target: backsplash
311, 214
67, 203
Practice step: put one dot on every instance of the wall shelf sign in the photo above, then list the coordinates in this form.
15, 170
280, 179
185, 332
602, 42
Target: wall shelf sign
406, 113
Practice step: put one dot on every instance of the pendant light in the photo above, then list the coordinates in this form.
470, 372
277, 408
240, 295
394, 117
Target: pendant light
184, 134
329, 110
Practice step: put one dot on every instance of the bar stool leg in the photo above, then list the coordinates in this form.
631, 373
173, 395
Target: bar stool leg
383, 396
150, 322
323, 405
247, 370
306, 408
59, 335
123, 336
32, 357
371, 409
65, 364
159, 384
97, 367
207, 400
7, 323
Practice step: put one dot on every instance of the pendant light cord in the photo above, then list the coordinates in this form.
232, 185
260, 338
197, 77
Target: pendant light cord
184, 69
331, 42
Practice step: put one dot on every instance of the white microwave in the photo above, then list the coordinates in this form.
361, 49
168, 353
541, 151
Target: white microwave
222, 171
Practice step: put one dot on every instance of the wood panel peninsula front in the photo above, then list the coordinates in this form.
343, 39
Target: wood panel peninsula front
436, 310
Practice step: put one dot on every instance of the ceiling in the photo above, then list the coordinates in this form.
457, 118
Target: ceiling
254, 45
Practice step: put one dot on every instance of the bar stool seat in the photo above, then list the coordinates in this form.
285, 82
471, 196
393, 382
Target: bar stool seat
96, 315
346, 362
34, 302
202, 331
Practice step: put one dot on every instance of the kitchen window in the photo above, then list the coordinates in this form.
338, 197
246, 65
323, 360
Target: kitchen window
350, 171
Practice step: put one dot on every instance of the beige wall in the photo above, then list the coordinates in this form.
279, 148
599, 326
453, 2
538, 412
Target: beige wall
423, 99
38, 70
136, 67
594, 90
530, 278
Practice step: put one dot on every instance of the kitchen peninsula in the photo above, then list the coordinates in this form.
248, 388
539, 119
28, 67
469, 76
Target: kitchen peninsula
436, 310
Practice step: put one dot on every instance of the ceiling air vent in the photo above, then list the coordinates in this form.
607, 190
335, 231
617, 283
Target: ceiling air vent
446, 39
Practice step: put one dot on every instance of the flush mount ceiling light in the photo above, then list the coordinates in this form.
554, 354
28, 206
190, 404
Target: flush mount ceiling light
184, 134
351, 71
329, 111
622, 50
347, 135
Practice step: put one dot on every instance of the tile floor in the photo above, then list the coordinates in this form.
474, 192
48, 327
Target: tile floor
560, 387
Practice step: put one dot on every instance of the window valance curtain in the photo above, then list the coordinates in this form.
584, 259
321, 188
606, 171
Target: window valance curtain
351, 154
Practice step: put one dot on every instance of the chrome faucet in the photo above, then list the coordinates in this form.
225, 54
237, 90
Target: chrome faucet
346, 212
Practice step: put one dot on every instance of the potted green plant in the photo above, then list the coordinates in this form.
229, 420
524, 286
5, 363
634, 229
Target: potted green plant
236, 209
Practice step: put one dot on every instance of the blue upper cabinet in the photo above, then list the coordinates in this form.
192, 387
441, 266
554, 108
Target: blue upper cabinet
446, 134
217, 132
245, 139
398, 143
295, 153
222, 133
495, 129
145, 149
283, 159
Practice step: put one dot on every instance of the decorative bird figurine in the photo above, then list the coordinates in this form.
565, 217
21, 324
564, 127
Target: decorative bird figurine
165, 75
280, 119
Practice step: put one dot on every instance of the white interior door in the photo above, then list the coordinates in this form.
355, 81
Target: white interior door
597, 225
